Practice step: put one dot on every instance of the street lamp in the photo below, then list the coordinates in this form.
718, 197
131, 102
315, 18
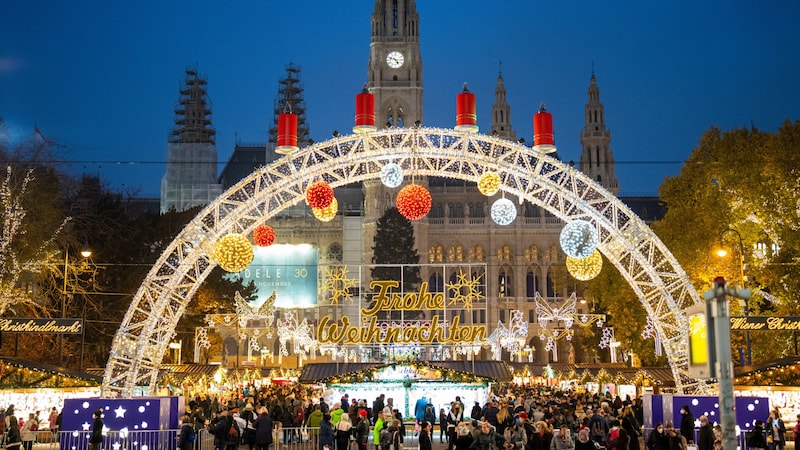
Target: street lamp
86, 253
722, 253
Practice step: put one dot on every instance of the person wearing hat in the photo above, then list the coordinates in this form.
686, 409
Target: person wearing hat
97, 430
362, 429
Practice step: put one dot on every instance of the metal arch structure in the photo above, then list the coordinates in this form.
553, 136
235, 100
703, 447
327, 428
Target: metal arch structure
652, 271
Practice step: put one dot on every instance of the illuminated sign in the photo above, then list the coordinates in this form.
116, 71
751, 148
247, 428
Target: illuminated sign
765, 323
343, 332
289, 270
43, 326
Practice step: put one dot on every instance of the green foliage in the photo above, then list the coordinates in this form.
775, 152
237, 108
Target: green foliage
748, 181
394, 244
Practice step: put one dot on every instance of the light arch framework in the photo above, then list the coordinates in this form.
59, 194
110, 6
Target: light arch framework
148, 326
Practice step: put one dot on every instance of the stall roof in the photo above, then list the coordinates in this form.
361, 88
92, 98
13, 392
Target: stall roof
494, 370
35, 374
659, 375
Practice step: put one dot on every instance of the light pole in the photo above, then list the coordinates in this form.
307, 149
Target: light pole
85, 252
722, 252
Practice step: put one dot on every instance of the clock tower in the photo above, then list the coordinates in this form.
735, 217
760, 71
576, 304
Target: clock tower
395, 79
395, 63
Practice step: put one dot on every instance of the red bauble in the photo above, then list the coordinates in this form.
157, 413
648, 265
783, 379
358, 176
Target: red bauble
264, 236
319, 195
413, 202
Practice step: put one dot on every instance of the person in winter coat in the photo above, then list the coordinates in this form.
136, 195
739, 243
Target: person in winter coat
620, 441
343, 432
475, 414
13, 441
326, 433
395, 434
756, 439
676, 440
631, 425
442, 425
28, 432
564, 439
658, 438
187, 435
425, 436
313, 422
485, 439
542, 438
336, 413
454, 417
687, 424
97, 431
584, 442
463, 437
776, 430
362, 430
705, 440
515, 436
263, 430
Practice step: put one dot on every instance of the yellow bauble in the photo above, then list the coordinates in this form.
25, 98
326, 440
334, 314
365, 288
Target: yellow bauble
233, 252
326, 214
584, 269
489, 183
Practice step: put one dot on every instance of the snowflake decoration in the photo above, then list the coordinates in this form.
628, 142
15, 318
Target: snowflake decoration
649, 330
338, 284
465, 290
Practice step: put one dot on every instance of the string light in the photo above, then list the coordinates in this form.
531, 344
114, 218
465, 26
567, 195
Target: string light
326, 214
584, 269
489, 183
503, 211
233, 252
413, 202
578, 239
319, 194
264, 236
392, 175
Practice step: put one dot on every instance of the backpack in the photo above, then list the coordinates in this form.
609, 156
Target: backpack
233, 431
598, 430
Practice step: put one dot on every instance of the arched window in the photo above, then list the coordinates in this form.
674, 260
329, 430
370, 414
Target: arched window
481, 277
435, 253
455, 253
504, 283
551, 290
436, 283
531, 283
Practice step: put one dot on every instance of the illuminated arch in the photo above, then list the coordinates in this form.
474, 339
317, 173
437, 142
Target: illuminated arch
625, 240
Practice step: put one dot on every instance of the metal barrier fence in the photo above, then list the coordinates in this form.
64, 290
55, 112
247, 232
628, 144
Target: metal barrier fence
284, 438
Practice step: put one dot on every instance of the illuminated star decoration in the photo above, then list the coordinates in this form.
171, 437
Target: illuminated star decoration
338, 284
85, 426
465, 290
120, 411
650, 331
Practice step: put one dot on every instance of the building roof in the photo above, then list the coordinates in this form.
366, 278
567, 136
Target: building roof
17, 373
496, 371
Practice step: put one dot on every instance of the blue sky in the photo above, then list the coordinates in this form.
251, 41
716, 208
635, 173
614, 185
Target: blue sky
102, 77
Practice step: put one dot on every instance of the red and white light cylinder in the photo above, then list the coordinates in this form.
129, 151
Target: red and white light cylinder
287, 133
365, 112
543, 139
466, 115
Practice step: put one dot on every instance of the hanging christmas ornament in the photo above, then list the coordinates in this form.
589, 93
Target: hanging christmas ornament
543, 140
365, 112
466, 116
392, 175
233, 252
489, 183
327, 214
578, 239
503, 211
584, 269
264, 236
319, 195
413, 202
287, 131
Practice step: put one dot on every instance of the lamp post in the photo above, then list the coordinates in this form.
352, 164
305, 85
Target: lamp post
722, 252
85, 252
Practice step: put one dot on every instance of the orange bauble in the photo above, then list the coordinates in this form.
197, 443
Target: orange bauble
264, 236
413, 202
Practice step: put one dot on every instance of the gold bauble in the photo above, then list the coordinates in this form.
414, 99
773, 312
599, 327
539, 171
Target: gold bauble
326, 214
584, 269
489, 183
233, 252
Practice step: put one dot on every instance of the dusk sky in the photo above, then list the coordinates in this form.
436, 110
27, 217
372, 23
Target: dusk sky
101, 78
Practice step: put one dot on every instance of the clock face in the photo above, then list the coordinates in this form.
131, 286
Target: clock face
394, 59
